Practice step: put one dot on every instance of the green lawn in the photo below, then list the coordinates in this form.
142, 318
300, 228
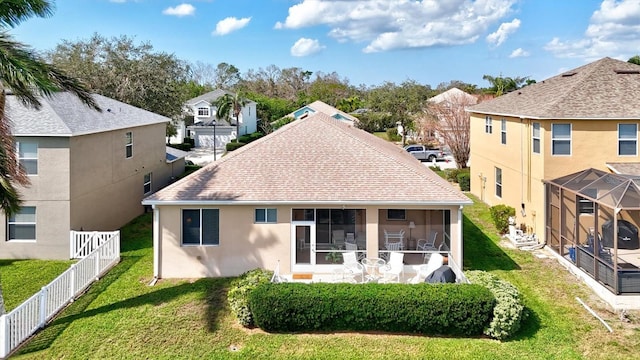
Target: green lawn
122, 317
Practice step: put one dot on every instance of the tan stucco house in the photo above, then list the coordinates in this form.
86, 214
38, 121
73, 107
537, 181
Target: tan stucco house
89, 170
294, 196
581, 119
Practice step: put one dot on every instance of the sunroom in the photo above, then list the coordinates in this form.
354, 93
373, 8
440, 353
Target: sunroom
592, 220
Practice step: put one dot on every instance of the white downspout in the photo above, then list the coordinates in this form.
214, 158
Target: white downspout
156, 243
458, 258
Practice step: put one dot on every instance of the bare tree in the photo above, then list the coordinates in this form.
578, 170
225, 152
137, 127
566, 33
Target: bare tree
451, 122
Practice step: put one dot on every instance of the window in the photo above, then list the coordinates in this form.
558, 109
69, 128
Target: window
396, 214
203, 111
586, 206
499, 182
147, 183
22, 226
627, 139
264, 216
200, 227
28, 156
535, 138
128, 144
561, 139
488, 127
503, 132
303, 215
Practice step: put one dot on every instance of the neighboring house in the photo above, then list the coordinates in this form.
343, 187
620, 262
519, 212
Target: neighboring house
89, 170
204, 110
294, 196
450, 103
321, 107
583, 118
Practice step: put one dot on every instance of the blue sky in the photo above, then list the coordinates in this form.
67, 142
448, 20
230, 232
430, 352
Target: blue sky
366, 41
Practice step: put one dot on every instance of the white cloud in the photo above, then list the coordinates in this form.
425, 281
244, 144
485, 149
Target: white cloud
614, 30
519, 52
180, 10
306, 47
230, 24
395, 24
503, 32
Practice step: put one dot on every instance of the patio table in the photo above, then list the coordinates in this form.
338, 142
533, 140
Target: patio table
372, 267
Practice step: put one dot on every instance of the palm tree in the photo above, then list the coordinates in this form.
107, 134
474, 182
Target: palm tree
26, 76
228, 104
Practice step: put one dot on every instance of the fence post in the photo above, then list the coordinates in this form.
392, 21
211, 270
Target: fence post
98, 251
4, 337
72, 240
43, 307
72, 282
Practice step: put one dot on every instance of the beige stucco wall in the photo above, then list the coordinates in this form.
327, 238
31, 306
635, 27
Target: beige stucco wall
593, 144
107, 188
49, 193
245, 245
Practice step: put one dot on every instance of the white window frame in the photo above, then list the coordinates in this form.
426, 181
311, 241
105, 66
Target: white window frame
488, 125
269, 215
498, 175
503, 132
555, 139
11, 221
128, 147
22, 158
203, 111
535, 138
200, 232
625, 139
147, 183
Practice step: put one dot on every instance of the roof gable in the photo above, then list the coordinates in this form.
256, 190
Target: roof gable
318, 160
604, 89
63, 114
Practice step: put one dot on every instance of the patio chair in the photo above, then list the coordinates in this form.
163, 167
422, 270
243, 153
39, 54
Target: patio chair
435, 262
428, 244
351, 266
353, 247
394, 268
337, 237
351, 238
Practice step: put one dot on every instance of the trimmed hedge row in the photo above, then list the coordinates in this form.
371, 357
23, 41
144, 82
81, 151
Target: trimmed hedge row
234, 145
435, 309
508, 314
239, 290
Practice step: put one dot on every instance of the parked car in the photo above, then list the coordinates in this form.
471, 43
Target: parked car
425, 153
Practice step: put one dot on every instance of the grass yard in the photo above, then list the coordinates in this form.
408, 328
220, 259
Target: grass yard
122, 318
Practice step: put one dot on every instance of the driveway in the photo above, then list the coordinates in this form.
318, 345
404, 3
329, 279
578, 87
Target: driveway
203, 156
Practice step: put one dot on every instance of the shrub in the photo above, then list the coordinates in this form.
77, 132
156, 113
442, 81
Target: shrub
392, 135
239, 291
500, 214
508, 314
452, 174
183, 147
444, 309
464, 179
250, 137
189, 141
234, 145
281, 122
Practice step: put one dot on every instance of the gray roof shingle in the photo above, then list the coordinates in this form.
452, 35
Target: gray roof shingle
314, 160
604, 89
63, 114
210, 97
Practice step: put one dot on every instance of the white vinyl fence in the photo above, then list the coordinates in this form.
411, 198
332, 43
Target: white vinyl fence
84, 242
23, 321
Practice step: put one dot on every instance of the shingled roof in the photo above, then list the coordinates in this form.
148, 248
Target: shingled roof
314, 160
210, 97
63, 114
604, 89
